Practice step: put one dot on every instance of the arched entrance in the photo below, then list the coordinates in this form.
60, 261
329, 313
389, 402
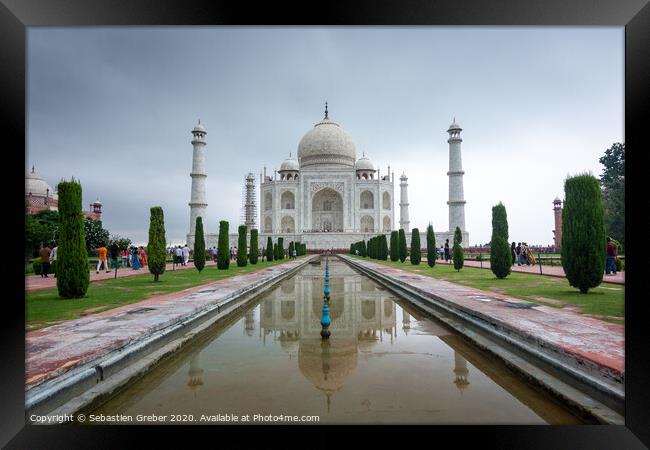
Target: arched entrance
327, 210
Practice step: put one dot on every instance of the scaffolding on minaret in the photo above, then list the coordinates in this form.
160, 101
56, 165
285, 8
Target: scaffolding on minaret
249, 202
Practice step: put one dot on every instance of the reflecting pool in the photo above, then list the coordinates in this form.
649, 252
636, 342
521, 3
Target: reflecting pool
384, 363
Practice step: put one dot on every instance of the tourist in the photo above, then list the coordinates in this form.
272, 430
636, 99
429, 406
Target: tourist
124, 254
142, 254
524, 253
610, 262
102, 259
442, 252
53, 257
213, 253
231, 258
179, 255
295, 254
513, 250
518, 253
135, 263
234, 253
447, 250
45, 260
115, 253
186, 255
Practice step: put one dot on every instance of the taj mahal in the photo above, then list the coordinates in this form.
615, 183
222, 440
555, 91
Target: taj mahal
325, 197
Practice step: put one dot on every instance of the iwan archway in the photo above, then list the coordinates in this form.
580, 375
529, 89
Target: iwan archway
327, 211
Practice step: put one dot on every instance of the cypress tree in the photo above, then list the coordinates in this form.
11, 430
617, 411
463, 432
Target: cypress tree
500, 253
352, 252
291, 249
242, 252
394, 245
255, 251
371, 247
199, 245
402, 245
416, 254
269, 249
280, 248
431, 246
276, 255
223, 252
363, 251
458, 254
383, 244
72, 274
584, 245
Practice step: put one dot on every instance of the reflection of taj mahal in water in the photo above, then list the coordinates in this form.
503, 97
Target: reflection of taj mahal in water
326, 197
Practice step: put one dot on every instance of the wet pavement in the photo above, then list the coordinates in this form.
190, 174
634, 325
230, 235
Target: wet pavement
55, 350
384, 363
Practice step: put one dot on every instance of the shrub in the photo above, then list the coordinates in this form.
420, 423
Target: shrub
73, 275
363, 250
383, 247
156, 250
402, 245
242, 252
254, 247
269, 249
416, 249
584, 245
223, 250
457, 251
500, 253
431, 246
291, 249
280, 248
199, 245
276, 253
394, 245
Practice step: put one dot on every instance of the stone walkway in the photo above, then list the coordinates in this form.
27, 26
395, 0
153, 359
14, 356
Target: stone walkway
553, 271
54, 350
584, 340
37, 283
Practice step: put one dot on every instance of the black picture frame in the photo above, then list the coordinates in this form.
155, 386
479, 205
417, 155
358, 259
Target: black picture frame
16, 15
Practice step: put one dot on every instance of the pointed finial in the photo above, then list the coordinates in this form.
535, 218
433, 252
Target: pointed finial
364, 154
32, 168
326, 110
289, 154
199, 121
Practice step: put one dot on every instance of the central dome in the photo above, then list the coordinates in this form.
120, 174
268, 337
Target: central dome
326, 144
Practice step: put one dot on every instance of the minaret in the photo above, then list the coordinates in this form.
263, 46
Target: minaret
198, 203
557, 233
456, 197
404, 204
460, 371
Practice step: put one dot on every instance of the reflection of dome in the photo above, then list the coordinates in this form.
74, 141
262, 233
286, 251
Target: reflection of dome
336, 304
366, 339
326, 143
37, 186
327, 364
289, 341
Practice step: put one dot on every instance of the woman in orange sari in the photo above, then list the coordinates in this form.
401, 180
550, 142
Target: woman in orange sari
142, 257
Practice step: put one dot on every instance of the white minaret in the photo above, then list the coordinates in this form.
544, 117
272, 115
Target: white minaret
404, 204
198, 203
456, 197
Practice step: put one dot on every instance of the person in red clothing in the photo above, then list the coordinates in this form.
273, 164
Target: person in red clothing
610, 263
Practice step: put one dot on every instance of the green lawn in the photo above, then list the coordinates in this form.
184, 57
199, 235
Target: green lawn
43, 308
606, 300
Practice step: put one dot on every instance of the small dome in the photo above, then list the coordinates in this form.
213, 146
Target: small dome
37, 186
97, 203
326, 144
454, 126
199, 129
289, 164
364, 164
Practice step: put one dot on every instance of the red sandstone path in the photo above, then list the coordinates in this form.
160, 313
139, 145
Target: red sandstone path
576, 335
36, 283
553, 271
52, 351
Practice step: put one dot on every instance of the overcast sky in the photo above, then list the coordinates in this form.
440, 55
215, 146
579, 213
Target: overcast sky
114, 107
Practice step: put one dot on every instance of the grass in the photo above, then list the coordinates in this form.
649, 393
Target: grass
606, 302
45, 307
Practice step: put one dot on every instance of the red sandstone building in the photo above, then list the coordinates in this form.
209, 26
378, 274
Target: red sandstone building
39, 196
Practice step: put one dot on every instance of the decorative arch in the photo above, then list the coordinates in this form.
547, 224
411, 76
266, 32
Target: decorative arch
288, 224
268, 201
288, 200
387, 224
367, 200
386, 201
268, 225
368, 309
327, 210
367, 224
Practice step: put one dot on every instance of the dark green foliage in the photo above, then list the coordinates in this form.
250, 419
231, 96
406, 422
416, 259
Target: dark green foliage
199, 245
352, 252
613, 182
269, 249
291, 249
276, 254
280, 248
363, 250
156, 247
223, 249
73, 275
431, 246
96, 235
255, 250
383, 247
122, 243
301, 249
40, 228
584, 245
371, 248
500, 253
416, 248
394, 245
457, 252
242, 253
402, 245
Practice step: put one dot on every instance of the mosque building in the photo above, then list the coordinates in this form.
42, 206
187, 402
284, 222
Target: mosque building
325, 197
